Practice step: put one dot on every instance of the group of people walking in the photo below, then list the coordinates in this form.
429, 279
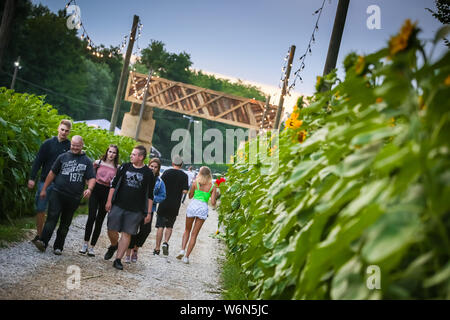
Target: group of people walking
128, 194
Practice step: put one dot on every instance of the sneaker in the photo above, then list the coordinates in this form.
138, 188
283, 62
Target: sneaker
58, 252
35, 239
156, 252
127, 259
83, 249
40, 245
181, 254
91, 252
110, 252
185, 260
118, 264
165, 248
134, 256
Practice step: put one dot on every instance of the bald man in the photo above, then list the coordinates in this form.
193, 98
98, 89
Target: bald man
70, 171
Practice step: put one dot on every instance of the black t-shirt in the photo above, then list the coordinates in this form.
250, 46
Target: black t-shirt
175, 181
135, 184
48, 152
72, 171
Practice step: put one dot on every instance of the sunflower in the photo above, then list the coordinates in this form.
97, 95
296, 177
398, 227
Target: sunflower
447, 81
360, 65
301, 136
400, 42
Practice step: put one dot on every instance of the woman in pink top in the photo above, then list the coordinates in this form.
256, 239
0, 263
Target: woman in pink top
105, 168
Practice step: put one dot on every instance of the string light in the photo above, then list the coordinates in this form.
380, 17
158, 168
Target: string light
134, 84
91, 46
308, 49
283, 69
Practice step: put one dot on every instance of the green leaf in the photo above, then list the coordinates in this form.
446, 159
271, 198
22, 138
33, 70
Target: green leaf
398, 228
441, 33
348, 283
441, 276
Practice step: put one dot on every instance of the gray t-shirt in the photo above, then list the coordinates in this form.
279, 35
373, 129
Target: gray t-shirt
72, 171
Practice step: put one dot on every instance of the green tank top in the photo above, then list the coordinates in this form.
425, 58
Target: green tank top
202, 195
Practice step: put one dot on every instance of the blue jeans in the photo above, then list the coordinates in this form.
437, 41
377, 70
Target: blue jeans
63, 206
41, 204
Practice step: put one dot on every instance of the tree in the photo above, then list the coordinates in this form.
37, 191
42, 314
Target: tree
171, 66
442, 14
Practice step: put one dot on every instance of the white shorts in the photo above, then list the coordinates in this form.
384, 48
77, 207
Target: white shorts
197, 209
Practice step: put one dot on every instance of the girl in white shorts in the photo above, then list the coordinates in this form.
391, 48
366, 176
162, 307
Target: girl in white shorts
201, 191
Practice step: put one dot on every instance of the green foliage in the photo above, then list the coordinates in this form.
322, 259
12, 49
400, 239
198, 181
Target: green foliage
167, 65
25, 122
369, 186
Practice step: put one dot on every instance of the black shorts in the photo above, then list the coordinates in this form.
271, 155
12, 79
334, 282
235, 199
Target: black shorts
165, 221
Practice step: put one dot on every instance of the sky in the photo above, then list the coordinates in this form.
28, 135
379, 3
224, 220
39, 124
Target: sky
249, 39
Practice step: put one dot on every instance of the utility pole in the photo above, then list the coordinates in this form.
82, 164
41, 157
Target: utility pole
141, 112
285, 84
123, 75
16, 68
336, 36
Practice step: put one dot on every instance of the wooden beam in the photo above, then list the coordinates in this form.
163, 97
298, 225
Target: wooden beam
251, 116
180, 99
162, 91
233, 123
208, 102
232, 109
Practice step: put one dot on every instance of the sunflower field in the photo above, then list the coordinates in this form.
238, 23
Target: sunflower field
25, 122
358, 203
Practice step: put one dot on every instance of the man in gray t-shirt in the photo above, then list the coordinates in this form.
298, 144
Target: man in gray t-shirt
70, 171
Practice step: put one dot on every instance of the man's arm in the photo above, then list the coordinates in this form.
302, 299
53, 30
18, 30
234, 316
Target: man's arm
50, 177
37, 164
109, 201
91, 184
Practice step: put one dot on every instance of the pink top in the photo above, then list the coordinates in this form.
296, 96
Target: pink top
105, 174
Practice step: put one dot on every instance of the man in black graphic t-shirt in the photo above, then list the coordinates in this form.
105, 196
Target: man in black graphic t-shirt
129, 201
70, 171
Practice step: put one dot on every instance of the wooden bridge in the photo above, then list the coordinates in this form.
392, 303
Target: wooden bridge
190, 100
199, 102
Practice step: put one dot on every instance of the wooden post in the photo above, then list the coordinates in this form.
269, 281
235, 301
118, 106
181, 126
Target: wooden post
285, 84
147, 85
266, 107
123, 75
336, 36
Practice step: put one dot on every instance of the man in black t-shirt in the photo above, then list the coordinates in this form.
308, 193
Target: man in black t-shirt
176, 182
70, 171
129, 201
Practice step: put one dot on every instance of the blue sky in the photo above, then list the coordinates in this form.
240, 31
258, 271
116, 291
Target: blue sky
249, 39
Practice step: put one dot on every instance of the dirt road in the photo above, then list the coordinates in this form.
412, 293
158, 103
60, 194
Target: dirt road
26, 273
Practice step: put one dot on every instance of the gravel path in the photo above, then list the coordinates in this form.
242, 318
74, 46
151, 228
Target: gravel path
26, 273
